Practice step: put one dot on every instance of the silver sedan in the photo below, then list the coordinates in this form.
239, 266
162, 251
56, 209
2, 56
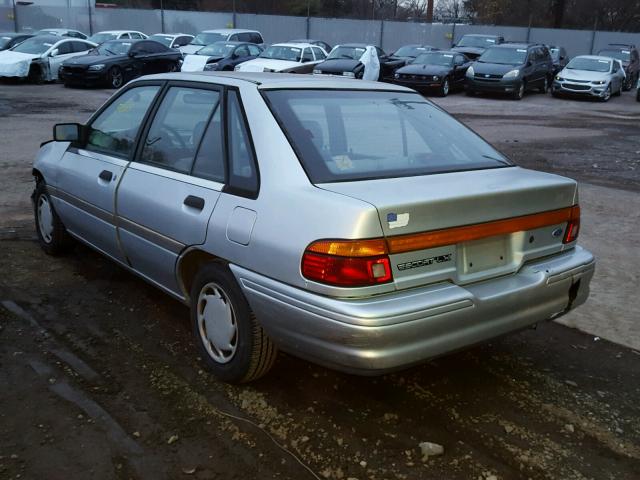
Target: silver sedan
347, 222
592, 76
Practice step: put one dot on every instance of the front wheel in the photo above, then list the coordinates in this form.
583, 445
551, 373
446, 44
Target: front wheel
232, 342
444, 89
115, 77
52, 236
519, 93
544, 88
607, 94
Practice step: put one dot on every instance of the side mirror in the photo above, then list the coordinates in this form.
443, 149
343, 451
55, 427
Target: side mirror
54, 52
67, 132
132, 54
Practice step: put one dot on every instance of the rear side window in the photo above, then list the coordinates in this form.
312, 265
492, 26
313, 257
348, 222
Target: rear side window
344, 135
210, 162
307, 56
255, 37
243, 174
319, 53
178, 127
114, 131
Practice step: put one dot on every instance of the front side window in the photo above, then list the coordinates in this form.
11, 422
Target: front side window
254, 50
342, 135
178, 126
64, 48
243, 173
307, 56
114, 131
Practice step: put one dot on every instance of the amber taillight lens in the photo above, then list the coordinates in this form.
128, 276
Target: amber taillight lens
346, 263
573, 225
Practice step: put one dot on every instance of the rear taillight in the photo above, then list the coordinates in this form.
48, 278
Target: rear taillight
347, 263
573, 225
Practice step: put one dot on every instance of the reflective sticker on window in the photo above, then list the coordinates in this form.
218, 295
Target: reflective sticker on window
491, 40
521, 50
447, 55
604, 61
626, 51
126, 44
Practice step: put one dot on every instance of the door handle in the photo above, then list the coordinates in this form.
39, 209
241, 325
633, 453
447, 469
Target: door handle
194, 202
106, 175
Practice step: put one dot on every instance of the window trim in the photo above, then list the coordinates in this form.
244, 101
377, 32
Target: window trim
148, 83
228, 188
153, 112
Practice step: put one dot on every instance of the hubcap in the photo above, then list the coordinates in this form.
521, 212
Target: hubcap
607, 93
217, 323
521, 91
116, 78
546, 85
45, 219
445, 87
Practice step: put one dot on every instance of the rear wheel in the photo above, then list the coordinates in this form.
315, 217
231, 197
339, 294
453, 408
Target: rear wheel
444, 89
471, 93
627, 84
115, 77
52, 236
232, 342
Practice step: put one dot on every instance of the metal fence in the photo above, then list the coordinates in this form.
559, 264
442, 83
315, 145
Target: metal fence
276, 28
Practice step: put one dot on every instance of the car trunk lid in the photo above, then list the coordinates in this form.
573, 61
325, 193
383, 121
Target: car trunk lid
480, 199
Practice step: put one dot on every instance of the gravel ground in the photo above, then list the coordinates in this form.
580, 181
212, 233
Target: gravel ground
103, 381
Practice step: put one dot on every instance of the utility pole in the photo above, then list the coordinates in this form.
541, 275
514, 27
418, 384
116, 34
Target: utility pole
429, 11
15, 16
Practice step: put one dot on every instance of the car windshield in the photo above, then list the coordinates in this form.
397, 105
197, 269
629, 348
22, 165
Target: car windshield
353, 53
624, 55
205, 38
218, 49
35, 45
163, 39
277, 52
410, 51
589, 64
102, 37
443, 59
504, 56
349, 135
113, 48
473, 41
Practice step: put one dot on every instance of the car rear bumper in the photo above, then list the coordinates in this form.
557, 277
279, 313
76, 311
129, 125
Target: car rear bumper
578, 89
388, 332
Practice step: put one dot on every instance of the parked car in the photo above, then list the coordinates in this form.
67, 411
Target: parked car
403, 56
473, 45
285, 57
420, 240
559, 57
628, 55
318, 43
62, 32
38, 59
11, 39
117, 61
220, 56
107, 35
207, 37
591, 76
345, 60
512, 69
442, 71
173, 40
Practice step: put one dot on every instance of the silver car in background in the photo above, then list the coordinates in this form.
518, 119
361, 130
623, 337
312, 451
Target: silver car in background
351, 223
590, 75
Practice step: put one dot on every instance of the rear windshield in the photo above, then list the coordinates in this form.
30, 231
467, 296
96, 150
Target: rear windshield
343, 135
624, 55
473, 41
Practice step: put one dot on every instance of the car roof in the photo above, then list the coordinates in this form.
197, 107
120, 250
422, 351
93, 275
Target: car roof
230, 30
265, 80
15, 34
516, 45
115, 32
171, 34
481, 35
54, 38
292, 44
595, 57
358, 45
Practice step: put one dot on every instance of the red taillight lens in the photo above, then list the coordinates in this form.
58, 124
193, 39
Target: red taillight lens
573, 226
346, 271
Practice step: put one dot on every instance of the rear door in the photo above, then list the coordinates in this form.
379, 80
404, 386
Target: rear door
168, 192
88, 175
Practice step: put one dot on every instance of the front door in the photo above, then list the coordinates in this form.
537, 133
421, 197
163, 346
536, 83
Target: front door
88, 176
169, 191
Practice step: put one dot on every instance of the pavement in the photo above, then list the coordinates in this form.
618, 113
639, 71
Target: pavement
101, 379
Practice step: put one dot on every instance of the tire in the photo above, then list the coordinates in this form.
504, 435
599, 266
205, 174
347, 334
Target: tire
627, 84
36, 75
238, 350
607, 94
470, 93
52, 236
115, 77
519, 94
619, 92
444, 89
545, 86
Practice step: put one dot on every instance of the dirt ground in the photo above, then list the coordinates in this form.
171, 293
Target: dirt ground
100, 380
